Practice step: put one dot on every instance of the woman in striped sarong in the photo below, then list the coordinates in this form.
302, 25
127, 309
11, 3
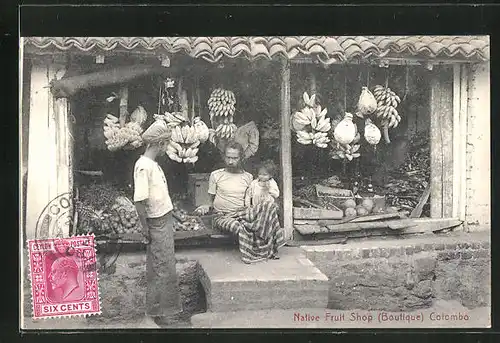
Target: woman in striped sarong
257, 227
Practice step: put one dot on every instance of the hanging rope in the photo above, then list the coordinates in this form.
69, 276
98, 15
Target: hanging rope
387, 77
368, 76
345, 90
159, 97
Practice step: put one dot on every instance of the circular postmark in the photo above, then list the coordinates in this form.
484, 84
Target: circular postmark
58, 218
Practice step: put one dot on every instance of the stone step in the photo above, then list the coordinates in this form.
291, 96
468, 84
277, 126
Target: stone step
290, 282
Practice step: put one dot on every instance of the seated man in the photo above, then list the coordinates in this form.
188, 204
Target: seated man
257, 227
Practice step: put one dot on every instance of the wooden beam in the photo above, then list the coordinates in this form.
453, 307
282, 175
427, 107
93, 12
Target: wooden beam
71, 85
417, 211
286, 150
398, 226
441, 131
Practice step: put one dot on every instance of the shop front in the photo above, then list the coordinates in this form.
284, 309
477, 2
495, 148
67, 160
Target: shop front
373, 135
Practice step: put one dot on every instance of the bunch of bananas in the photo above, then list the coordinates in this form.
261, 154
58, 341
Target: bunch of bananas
127, 137
186, 137
226, 131
176, 119
320, 139
311, 124
387, 101
139, 115
222, 103
173, 119
346, 151
201, 129
185, 134
184, 143
182, 153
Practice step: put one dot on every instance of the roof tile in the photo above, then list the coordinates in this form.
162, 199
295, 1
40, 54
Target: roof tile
328, 49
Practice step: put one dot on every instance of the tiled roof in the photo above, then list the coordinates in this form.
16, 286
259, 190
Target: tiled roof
327, 49
461, 47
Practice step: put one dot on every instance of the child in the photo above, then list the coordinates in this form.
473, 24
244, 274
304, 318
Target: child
264, 188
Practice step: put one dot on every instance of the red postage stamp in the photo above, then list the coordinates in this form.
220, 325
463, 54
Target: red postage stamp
64, 280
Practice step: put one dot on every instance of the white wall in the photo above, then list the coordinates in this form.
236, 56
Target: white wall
49, 156
478, 174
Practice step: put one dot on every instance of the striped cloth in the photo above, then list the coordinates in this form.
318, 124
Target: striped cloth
257, 228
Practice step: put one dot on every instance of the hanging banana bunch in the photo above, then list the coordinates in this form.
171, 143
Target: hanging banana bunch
186, 138
387, 102
346, 151
222, 106
127, 137
201, 129
311, 124
184, 143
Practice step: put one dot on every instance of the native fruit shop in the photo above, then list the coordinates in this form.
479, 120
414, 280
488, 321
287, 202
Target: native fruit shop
374, 135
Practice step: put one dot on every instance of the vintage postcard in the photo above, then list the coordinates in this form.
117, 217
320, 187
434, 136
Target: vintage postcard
255, 182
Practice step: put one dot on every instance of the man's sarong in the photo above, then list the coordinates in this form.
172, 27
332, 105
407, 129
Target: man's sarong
257, 228
162, 293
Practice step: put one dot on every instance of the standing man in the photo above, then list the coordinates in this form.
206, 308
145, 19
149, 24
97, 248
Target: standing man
154, 206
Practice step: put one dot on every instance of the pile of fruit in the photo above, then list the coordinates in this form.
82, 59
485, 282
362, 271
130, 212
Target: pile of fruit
127, 136
185, 222
120, 221
364, 207
222, 106
103, 211
311, 124
98, 196
186, 137
190, 224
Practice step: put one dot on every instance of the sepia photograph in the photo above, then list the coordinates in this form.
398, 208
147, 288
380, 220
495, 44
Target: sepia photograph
255, 182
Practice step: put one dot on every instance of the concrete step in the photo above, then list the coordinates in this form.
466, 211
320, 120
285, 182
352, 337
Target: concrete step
290, 282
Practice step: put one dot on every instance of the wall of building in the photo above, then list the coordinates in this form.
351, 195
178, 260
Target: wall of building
408, 274
478, 204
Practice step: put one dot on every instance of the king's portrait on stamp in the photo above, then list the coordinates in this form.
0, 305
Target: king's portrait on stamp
62, 283
64, 277
255, 182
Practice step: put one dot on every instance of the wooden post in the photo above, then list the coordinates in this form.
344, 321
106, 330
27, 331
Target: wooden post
441, 131
464, 99
460, 99
478, 182
456, 138
312, 81
123, 105
286, 150
198, 98
49, 166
